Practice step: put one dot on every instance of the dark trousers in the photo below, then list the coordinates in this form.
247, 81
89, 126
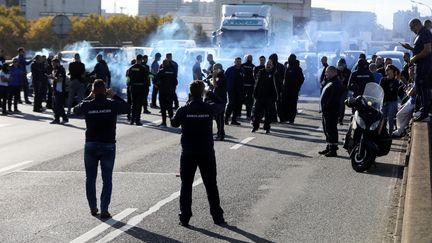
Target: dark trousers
342, 105
165, 102
25, 88
145, 101
207, 166
234, 106
38, 95
330, 121
248, 99
220, 118
14, 94
59, 102
175, 100
289, 104
3, 98
95, 152
129, 101
154, 95
422, 86
137, 102
266, 108
49, 101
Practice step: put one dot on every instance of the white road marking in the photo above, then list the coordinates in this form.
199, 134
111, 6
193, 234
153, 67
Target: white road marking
12, 167
300, 111
137, 219
320, 129
103, 226
4, 125
147, 124
243, 142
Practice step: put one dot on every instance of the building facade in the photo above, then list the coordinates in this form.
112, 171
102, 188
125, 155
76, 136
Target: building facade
34, 9
159, 7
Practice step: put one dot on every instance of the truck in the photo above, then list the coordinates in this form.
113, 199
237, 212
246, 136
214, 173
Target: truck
244, 25
331, 41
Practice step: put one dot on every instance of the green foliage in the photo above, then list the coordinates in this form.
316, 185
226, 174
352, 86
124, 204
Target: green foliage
16, 31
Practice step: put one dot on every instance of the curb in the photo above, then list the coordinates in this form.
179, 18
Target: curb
417, 215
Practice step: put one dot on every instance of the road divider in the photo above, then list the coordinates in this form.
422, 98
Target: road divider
104, 226
243, 142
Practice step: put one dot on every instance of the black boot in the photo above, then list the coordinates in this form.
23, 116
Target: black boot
332, 152
325, 151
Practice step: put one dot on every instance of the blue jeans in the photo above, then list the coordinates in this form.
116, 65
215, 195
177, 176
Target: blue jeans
93, 153
389, 111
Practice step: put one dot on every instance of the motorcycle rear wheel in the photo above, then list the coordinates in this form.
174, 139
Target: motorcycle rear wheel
361, 163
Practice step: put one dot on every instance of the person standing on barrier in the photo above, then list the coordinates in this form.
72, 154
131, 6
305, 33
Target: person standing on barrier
330, 100
100, 110
422, 58
196, 121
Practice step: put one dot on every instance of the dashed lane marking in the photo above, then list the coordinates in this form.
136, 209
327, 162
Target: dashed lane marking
243, 142
300, 111
15, 166
83, 172
104, 226
137, 219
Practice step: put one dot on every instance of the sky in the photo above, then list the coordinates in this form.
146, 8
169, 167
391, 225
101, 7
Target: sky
384, 9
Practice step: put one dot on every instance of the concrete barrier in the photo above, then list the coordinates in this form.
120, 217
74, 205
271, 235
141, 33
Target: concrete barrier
417, 218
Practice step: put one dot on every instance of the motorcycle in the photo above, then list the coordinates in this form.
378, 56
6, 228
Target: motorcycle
367, 136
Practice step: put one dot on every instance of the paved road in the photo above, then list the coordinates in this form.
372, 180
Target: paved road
274, 188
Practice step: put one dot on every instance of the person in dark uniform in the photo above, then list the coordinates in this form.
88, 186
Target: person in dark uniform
23, 66
59, 90
48, 70
101, 70
280, 68
261, 66
293, 80
147, 86
196, 69
219, 83
128, 90
154, 70
196, 121
138, 78
76, 85
38, 76
360, 78
174, 65
266, 94
343, 74
235, 77
248, 85
211, 62
100, 110
166, 80
330, 98
323, 81
422, 58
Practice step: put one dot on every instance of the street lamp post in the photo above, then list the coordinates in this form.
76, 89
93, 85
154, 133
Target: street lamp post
420, 3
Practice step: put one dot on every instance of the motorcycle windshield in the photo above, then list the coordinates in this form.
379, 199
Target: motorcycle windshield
374, 95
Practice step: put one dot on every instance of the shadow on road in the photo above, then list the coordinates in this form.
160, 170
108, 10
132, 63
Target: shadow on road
252, 237
285, 152
142, 234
